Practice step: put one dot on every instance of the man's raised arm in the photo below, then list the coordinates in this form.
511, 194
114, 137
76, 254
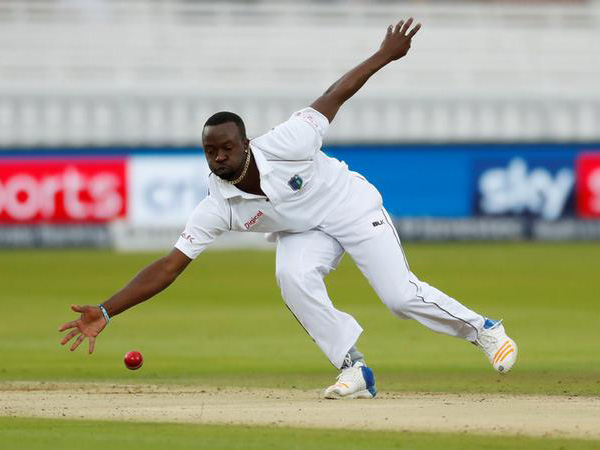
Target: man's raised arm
394, 46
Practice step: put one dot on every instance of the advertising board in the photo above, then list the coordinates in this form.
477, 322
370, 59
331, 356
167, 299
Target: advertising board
142, 190
164, 190
588, 185
135, 198
415, 181
56, 190
524, 186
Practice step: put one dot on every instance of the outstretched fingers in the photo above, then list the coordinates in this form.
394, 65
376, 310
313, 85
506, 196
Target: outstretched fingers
398, 26
78, 308
77, 342
403, 28
406, 26
92, 344
414, 30
66, 326
69, 336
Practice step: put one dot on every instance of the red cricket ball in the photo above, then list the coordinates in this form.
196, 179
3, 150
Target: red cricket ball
133, 360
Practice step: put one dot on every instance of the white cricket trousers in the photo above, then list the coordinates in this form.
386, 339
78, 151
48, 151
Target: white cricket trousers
360, 226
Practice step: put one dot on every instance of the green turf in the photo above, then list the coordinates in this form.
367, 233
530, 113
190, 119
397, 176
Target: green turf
224, 323
45, 434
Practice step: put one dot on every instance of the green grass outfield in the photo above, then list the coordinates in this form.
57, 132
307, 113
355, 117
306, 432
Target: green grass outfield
223, 323
44, 434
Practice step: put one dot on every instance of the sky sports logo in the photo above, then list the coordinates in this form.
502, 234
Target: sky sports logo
521, 187
539, 188
62, 191
144, 191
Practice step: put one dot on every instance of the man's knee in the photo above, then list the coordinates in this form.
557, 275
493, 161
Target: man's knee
284, 274
295, 273
289, 272
398, 296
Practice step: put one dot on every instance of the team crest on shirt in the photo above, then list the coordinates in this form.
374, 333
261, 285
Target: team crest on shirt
295, 182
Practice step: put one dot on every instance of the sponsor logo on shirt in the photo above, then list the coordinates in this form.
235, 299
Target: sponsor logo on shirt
377, 223
308, 118
187, 237
253, 221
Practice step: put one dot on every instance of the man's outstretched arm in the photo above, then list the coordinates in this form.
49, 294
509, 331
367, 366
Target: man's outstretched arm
149, 282
394, 46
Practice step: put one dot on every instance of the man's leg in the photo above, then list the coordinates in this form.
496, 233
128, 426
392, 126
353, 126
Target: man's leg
303, 259
364, 229
382, 261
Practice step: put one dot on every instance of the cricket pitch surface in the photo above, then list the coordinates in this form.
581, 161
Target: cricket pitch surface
551, 416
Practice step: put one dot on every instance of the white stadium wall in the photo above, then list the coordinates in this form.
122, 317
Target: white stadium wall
135, 72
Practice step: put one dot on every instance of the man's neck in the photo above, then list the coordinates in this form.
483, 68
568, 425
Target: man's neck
251, 182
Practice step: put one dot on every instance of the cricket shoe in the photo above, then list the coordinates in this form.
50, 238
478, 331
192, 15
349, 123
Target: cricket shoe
356, 381
497, 346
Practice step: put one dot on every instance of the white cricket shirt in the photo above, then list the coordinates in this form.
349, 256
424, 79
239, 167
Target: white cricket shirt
300, 182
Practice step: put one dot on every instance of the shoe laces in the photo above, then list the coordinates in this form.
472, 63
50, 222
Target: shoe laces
349, 374
489, 337
347, 361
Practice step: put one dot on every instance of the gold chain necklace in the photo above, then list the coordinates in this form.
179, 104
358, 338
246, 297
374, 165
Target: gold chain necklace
243, 174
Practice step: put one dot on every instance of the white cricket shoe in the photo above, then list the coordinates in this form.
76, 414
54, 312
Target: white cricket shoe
498, 347
357, 381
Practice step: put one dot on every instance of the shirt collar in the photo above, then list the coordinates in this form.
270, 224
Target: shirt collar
264, 168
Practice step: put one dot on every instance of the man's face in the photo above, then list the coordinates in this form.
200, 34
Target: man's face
225, 149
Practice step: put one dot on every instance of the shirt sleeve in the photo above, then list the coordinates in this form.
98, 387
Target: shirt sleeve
208, 221
298, 138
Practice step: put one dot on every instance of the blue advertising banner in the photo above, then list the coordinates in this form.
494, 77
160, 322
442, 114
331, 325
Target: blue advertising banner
415, 181
454, 181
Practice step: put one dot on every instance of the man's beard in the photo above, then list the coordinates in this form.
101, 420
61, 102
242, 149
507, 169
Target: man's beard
230, 174
227, 175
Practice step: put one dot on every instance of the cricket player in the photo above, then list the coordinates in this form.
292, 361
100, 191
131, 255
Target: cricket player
316, 209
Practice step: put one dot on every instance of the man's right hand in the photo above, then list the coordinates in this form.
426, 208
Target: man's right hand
90, 324
397, 40
394, 46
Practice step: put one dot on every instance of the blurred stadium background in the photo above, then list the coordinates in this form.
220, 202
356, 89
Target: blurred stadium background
488, 130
